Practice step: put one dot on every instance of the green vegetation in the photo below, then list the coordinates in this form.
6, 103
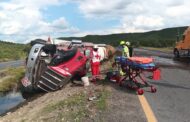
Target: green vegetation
10, 78
75, 108
12, 51
71, 109
161, 38
77, 99
101, 104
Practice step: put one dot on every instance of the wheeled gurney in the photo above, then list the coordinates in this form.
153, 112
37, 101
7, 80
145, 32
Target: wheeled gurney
133, 70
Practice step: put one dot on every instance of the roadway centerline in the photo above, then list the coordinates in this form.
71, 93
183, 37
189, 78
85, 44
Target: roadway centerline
147, 109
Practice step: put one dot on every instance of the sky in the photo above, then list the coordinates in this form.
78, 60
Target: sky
25, 20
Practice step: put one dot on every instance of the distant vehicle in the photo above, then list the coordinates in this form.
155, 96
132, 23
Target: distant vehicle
182, 48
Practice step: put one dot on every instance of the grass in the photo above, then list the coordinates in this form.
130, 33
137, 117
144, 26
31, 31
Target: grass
75, 108
165, 49
11, 78
77, 99
12, 51
101, 104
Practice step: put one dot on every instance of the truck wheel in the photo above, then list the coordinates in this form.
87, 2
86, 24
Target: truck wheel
176, 53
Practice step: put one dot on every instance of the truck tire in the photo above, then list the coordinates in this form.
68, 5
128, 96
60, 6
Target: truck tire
176, 53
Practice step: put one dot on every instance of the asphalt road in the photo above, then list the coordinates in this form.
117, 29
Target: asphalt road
17, 63
153, 53
171, 102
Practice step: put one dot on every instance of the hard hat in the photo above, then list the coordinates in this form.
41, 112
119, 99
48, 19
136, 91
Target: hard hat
95, 46
127, 43
122, 42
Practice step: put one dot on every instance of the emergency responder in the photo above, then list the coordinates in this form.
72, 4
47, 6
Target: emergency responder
95, 62
130, 48
125, 53
125, 49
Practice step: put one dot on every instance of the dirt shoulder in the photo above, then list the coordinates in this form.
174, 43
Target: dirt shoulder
70, 104
112, 103
30, 110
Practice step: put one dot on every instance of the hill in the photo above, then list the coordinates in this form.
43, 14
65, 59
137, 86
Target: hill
11, 51
160, 38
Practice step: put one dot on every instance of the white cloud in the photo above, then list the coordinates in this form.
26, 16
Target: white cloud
102, 7
138, 15
177, 11
59, 22
142, 23
21, 20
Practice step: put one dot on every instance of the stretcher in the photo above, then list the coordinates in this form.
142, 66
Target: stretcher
134, 69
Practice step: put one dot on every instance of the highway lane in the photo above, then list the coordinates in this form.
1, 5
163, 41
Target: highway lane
152, 53
171, 102
16, 63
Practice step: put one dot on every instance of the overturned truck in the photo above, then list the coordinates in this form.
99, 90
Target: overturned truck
49, 67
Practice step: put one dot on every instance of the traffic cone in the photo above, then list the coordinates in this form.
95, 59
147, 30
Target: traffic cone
156, 74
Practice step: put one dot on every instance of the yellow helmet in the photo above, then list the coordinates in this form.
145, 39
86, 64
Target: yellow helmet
122, 42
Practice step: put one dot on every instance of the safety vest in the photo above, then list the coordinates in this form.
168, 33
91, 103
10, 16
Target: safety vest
96, 56
125, 51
